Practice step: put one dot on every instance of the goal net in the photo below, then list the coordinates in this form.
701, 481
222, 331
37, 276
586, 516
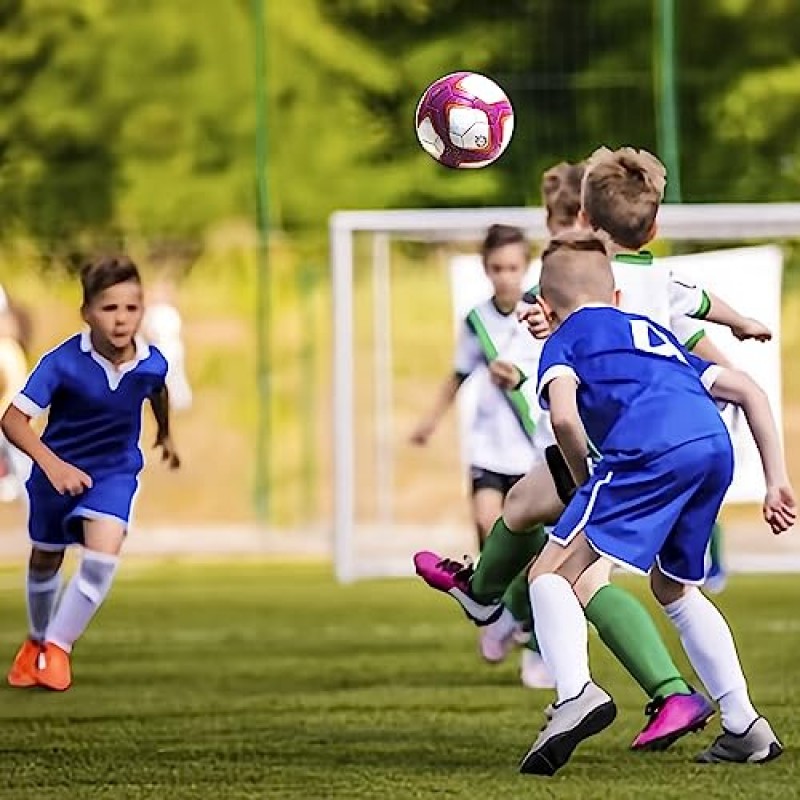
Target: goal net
401, 280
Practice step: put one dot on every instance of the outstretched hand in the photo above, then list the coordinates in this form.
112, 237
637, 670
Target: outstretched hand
751, 329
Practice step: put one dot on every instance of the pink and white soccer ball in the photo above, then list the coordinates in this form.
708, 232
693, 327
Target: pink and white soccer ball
464, 120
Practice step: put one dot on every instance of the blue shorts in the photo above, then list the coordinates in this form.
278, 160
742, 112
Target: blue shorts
56, 521
660, 512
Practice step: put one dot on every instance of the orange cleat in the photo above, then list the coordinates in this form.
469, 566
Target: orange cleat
54, 670
22, 674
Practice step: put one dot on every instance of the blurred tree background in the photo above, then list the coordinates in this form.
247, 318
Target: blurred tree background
135, 116
133, 121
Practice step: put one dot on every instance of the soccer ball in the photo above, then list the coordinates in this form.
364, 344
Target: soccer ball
464, 120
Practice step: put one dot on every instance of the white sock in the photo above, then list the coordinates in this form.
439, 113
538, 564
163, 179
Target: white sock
708, 642
83, 596
42, 592
562, 635
503, 627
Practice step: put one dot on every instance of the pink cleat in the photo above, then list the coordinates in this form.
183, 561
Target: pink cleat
452, 577
671, 718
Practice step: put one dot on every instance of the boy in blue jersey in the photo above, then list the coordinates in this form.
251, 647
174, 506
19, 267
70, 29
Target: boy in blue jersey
625, 384
86, 463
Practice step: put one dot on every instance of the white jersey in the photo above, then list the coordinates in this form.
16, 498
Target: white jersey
498, 441
161, 326
652, 289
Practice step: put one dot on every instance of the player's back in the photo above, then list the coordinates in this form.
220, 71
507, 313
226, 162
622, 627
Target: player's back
639, 394
643, 285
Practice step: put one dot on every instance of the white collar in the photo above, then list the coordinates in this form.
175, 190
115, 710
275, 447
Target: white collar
115, 373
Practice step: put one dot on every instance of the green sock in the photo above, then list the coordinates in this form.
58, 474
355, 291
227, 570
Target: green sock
505, 554
517, 599
631, 635
715, 547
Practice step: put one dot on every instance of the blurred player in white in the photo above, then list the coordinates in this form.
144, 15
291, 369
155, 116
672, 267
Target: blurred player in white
495, 349
162, 326
13, 373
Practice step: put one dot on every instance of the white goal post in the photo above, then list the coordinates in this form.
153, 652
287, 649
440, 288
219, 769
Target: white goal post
677, 223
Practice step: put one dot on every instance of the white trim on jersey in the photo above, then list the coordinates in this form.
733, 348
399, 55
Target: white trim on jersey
710, 375
676, 578
551, 373
587, 512
27, 406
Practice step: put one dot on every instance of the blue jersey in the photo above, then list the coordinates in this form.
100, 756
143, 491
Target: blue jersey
95, 408
640, 393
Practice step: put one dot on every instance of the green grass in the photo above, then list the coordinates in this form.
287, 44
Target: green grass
269, 681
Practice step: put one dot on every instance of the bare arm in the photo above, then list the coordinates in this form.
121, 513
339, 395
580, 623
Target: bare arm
66, 479
444, 399
708, 351
159, 402
17, 429
738, 387
742, 327
567, 426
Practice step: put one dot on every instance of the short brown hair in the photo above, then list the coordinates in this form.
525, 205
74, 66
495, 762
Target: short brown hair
575, 265
561, 194
105, 272
499, 236
622, 192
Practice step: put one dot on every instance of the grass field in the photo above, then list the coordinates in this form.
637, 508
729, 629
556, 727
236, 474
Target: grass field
267, 680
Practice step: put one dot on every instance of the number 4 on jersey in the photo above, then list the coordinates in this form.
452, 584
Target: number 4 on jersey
651, 340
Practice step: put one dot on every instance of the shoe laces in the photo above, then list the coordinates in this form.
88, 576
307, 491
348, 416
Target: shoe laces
549, 711
458, 569
652, 708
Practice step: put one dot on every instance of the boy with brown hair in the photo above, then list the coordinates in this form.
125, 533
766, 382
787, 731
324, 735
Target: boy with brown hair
624, 382
85, 464
621, 193
561, 195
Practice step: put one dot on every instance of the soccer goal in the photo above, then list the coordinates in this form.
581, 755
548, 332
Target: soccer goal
400, 279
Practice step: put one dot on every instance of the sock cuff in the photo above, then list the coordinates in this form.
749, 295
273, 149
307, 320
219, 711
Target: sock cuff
503, 525
37, 584
550, 579
689, 598
95, 575
100, 558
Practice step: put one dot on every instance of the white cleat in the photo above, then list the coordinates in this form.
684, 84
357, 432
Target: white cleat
568, 724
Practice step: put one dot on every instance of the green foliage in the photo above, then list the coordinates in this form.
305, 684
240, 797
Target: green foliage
135, 117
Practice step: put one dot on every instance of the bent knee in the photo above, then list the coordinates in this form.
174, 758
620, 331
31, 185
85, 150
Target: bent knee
45, 563
592, 581
666, 590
